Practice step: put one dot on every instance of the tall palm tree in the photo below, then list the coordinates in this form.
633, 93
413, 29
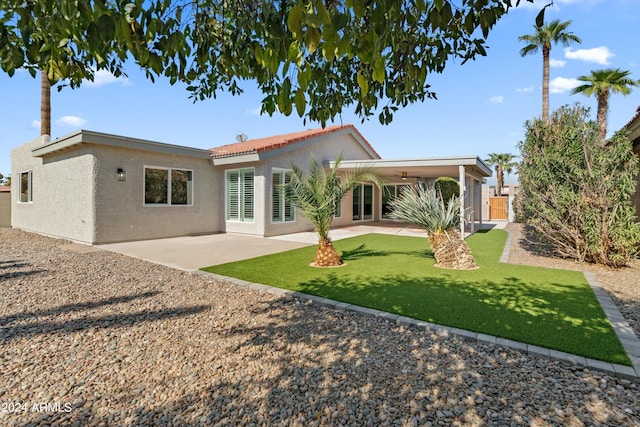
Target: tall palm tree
552, 33
45, 103
503, 162
317, 195
602, 83
426, 208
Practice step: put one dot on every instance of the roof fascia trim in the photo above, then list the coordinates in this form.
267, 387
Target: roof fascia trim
89, 137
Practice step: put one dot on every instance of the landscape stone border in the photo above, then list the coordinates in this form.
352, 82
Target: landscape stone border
625, 334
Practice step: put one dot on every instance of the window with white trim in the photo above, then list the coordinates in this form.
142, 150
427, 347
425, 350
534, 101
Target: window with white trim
26, 187
168, 187
281, 208
240, 197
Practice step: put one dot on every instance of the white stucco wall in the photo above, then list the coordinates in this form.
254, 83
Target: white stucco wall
76, 195
122, 214
63, 190
323, 149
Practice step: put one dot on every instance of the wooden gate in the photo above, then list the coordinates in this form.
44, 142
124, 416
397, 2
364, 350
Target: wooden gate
497, 208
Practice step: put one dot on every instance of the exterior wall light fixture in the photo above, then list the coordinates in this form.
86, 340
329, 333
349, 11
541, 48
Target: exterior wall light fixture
121, 175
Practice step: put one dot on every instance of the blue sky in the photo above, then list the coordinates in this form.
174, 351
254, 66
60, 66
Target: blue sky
481, 106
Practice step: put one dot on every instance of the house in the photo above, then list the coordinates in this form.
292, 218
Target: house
633, 127
98, 188
5, 206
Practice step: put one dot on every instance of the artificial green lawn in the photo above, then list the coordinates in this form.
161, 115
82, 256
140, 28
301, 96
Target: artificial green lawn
546, 307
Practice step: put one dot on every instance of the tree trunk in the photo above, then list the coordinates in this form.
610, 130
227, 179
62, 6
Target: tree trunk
545, 83
500, 174
327, 256
45, 104
451, 251
603, 107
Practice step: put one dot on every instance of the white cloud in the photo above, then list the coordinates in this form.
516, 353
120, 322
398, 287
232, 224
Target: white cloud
71, 121
35, 124
528, 89
104, 77
557, 63
599, 55
496, 99
562, 85
537, 5
255, 112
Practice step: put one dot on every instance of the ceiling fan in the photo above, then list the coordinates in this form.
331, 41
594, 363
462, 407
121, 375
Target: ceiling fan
406, 176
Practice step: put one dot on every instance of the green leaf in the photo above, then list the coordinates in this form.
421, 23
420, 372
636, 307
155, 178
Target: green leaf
294, 20
438, 4
540, 16
323, 13
304, 76
379, 71
363, 83
301, 102
358, 8
312, 39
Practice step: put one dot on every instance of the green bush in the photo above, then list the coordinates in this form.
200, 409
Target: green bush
447, 187
575, 193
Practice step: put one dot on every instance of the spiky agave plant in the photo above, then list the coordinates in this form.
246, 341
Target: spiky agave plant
317, 195
425, 208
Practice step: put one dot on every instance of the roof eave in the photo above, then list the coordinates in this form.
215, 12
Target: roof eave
235, 159
89, 137
425, 162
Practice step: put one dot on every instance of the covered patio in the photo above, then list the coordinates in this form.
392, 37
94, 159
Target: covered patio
469, 171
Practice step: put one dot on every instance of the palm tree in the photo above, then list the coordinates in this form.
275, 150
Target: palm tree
553, 33
602, 83
45, 103
439, 218
503, 162
317, 195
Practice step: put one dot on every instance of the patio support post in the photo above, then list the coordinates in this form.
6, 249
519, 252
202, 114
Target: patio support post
478, 189
461, 173
472, 204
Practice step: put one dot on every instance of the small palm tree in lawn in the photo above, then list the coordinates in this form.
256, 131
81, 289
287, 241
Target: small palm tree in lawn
554, 32
425, 208
503, 162
317, 195
602, 83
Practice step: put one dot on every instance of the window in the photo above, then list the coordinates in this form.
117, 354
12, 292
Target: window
168, 186
281, 208
26, 187
240, 198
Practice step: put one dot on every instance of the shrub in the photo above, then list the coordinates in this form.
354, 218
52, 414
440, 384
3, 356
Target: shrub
575, 193
447, 187
425, 208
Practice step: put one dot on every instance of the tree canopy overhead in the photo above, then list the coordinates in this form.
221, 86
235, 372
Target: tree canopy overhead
316, 57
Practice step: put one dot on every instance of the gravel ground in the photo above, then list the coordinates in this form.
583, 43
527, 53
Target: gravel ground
102, 339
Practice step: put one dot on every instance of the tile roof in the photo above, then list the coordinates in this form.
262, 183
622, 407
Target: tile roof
637, 115
260, 145
5, 189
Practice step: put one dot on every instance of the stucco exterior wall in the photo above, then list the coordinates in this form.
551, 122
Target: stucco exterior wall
323, 149
63, 192
122, 213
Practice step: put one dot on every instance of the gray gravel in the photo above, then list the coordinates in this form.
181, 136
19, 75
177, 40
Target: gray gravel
102, 339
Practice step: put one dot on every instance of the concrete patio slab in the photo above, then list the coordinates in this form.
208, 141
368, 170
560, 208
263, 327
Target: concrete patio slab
193, 252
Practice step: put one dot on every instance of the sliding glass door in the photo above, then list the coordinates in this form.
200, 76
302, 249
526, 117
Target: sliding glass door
363, 202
